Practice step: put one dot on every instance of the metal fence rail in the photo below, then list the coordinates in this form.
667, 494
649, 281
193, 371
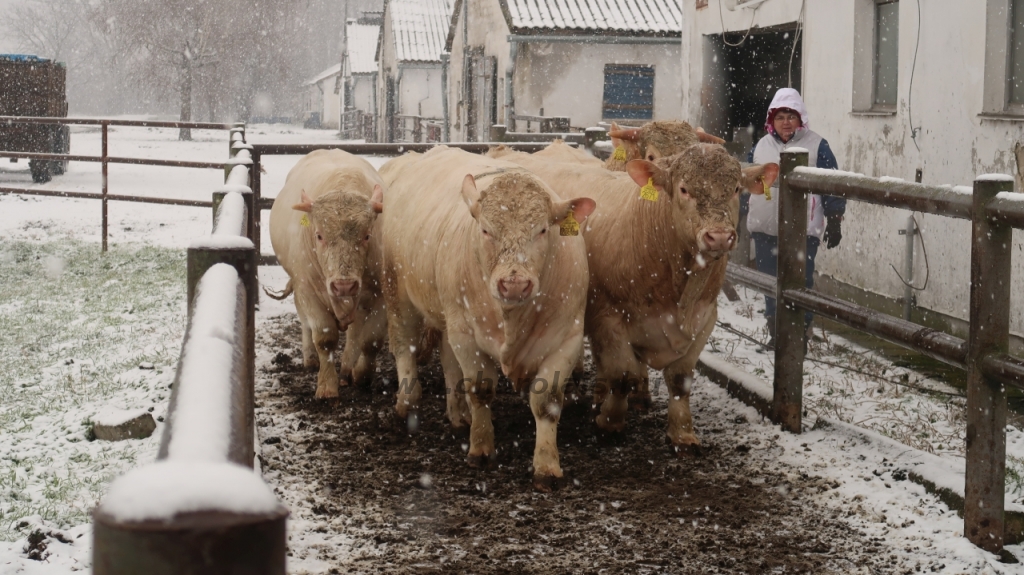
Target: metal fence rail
994, 211
215, 515
105, 159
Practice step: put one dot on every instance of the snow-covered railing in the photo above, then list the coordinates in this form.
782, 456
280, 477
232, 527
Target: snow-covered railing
994, 212
200, 508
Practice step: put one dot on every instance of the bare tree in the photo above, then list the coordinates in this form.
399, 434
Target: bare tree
48, 29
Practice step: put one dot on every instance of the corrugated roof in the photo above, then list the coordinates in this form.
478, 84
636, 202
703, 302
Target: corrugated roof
648, 17
332, 71
362, 47
420, 28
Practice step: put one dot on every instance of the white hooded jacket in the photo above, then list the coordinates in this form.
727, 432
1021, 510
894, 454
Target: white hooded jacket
764, 213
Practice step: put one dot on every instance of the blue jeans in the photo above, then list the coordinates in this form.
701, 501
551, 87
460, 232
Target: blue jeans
766, 250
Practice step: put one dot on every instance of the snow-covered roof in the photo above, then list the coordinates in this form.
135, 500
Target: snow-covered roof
420, 28
332, 71
362, 48
644, 17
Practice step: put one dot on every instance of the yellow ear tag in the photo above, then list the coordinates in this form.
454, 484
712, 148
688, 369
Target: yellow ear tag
649, 192
620, 154
304, 221
767, 189
570, 227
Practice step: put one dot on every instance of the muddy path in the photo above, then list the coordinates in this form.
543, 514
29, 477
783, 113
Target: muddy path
368, 497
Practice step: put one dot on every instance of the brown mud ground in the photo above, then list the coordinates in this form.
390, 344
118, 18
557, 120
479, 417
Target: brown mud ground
368, 497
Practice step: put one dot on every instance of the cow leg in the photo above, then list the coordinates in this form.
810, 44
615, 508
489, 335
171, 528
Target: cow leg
404, 327
480, 379
618, 371
310, 360
455, 392
324, 333
353, 347
640, 396
547, 396
374, 332
678, 380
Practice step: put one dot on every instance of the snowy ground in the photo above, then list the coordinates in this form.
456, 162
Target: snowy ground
75, 328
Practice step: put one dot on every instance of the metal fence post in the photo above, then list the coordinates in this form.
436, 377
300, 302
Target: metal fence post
787, 401
103, 200
255, 171
984, 489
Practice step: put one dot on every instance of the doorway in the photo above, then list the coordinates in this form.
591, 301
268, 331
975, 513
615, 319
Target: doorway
740, 78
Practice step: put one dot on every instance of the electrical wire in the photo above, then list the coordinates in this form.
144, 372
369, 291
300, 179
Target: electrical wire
796, 38
910, 92
721, 18
924, 250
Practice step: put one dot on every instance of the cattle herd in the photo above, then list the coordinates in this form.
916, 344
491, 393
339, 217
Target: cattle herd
507, 261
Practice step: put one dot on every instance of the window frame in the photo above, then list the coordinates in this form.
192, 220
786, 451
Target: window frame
875, 57
996, 104
640, 69
865, 60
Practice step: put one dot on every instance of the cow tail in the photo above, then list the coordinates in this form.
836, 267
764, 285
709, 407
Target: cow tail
281, 294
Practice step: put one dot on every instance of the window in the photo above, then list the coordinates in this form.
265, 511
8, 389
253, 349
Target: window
628, 92
887, 35
1015, 78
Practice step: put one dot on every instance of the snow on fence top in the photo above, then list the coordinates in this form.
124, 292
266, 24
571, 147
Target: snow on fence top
201, 419
165, 489
231, 216
660, 17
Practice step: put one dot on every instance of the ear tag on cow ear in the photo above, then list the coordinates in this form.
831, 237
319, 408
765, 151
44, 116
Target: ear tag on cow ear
767, 189
570, 227
620, 154
649, 192
304, 221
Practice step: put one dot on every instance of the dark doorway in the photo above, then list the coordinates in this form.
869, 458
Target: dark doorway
390, 118
740, 81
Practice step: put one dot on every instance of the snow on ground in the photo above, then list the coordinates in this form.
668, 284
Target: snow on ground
75, 327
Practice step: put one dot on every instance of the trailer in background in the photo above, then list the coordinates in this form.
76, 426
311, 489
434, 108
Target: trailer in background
34, 86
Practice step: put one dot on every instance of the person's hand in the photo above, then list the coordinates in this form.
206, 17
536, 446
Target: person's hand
833, 231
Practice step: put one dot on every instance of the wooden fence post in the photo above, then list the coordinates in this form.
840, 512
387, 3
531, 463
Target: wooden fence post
787, 401
498, 132
984, 489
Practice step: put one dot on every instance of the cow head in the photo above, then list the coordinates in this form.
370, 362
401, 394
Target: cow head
659, 139
340, 225
519, 229
702, 184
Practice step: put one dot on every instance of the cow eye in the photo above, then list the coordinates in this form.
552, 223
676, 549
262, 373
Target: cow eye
544, 231
650, 157
319, 238
682, 190
367, 238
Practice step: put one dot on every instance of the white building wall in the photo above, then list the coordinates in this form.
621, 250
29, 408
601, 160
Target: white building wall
420, 90
568, 79
330, 107
363, 88
955, 143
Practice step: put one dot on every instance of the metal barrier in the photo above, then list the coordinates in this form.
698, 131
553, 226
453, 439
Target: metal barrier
105, 159
994, 211
200, 508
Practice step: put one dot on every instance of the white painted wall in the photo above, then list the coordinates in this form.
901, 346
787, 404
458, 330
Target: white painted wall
330, 104
420, 91
955, 143
362, 92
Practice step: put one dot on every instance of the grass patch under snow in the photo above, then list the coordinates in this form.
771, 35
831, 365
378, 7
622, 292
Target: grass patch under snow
75, 325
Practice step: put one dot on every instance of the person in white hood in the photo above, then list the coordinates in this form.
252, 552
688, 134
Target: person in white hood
788, 126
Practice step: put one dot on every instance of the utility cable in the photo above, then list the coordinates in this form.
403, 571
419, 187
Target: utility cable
924, 250
796, 38
721, 18
910, 92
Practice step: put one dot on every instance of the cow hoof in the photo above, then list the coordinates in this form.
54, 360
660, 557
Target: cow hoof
546, 483
688, 450
640, 404
607, 425
325, 393
482, 461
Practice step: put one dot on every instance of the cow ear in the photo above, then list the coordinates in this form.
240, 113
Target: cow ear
580, 208
471, 195
377, 200
643, 172
305, 204
757, 178
706, 138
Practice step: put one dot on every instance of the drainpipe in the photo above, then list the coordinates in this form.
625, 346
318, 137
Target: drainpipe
445, 129
510, 109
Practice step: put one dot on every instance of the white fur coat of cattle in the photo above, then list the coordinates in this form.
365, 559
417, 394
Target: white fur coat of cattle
473, 248
324, 230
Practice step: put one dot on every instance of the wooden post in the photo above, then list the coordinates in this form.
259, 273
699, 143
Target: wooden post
247, 198
984, 489
787, 401
498, 132
257, 213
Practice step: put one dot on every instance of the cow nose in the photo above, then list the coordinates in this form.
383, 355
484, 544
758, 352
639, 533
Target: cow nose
344, 288
719, 240
515, 288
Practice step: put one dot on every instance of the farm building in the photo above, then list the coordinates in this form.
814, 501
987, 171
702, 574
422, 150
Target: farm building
408, 57
323, 99
894, 87
359, 75
595, 61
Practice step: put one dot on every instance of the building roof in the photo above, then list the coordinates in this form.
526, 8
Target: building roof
420, 28
362, 47
332, 71
634, 17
